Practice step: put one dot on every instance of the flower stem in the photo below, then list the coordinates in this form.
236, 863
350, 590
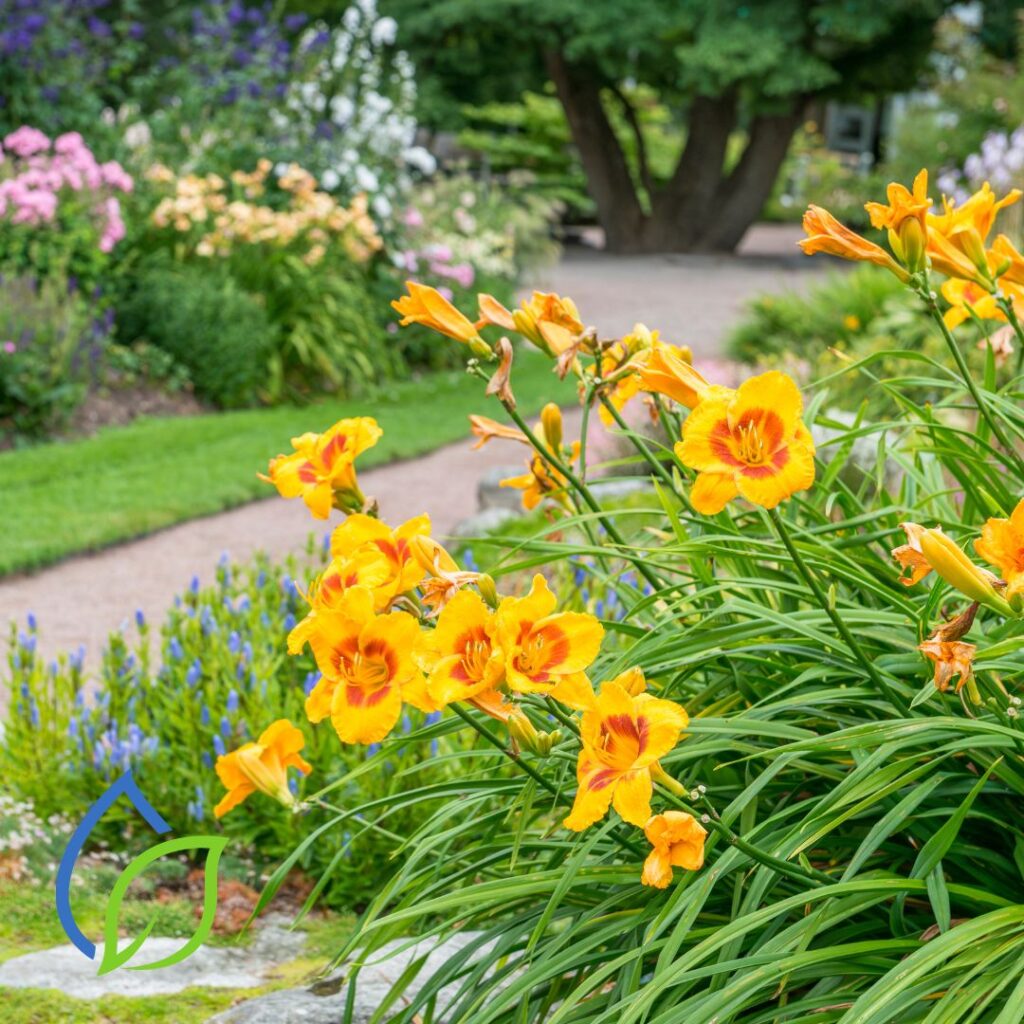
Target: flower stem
496, 742
715, 824
588, 497
1014, 321
965, 374
844, 631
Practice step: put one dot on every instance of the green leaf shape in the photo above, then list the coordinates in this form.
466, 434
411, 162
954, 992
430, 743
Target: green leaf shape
113, 958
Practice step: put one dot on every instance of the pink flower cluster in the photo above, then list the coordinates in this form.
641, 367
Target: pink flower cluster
35, 174
438, 258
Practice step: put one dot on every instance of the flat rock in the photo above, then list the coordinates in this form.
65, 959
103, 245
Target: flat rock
64, 968
306, 1006
490, 493
484, 523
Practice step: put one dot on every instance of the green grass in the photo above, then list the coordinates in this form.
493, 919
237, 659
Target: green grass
65, 498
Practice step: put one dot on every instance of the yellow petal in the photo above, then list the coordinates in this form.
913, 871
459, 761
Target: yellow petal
632, 797
711, 492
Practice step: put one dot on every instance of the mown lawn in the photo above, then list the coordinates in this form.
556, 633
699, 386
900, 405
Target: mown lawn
60, 499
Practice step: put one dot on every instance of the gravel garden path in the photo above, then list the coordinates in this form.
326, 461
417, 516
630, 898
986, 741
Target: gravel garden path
691, 299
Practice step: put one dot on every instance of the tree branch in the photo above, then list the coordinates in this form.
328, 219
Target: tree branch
608, 175
641, 147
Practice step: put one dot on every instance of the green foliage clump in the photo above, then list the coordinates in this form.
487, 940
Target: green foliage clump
206, 322
52, 341
837, 309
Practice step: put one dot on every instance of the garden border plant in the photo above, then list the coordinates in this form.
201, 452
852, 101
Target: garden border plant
796, 739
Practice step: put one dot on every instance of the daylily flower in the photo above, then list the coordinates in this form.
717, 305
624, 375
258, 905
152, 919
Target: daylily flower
966, 298
427, 306
485, 428
367, 668
550, 321
622, 739
461, 655
444, 579
622, 364
826, 234
366, 567
751, 443
1009, 262
957, 236
322, 470
668, 371
904, 219
1002, 544
547, 651
543, 480
360, 532
951, 658
678, 841
262, 766
931, 549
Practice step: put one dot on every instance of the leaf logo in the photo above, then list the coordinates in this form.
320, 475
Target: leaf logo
114, 958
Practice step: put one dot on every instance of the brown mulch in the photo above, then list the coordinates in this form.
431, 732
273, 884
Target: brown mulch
114, 407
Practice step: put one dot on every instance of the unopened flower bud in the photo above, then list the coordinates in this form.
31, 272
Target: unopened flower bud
551, 421
946, 558
488, 590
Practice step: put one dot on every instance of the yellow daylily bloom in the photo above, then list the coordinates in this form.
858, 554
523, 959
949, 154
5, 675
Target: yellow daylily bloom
957, 236
461, 655
966, 298
322, 469
552, 322
485, 429
493, 312
751, 443
1007, 260
367, 667
547, 651
542, 480
622, 738
443, 579
904, 219
262, 767
360, 532
1002, 544
427, 306
622, 363
826, 234
930, 550
678, 841
366, 567
668, 370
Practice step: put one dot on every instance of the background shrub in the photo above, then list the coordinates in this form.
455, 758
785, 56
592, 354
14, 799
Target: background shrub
199, 315
52, 341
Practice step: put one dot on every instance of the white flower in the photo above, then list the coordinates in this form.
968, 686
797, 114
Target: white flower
421, 159
384, 32
366, 179
330, 179
137, 135
342, 109
381, 206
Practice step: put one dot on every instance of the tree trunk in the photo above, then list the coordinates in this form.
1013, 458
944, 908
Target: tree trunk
742, 195
700, 209
608, 178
